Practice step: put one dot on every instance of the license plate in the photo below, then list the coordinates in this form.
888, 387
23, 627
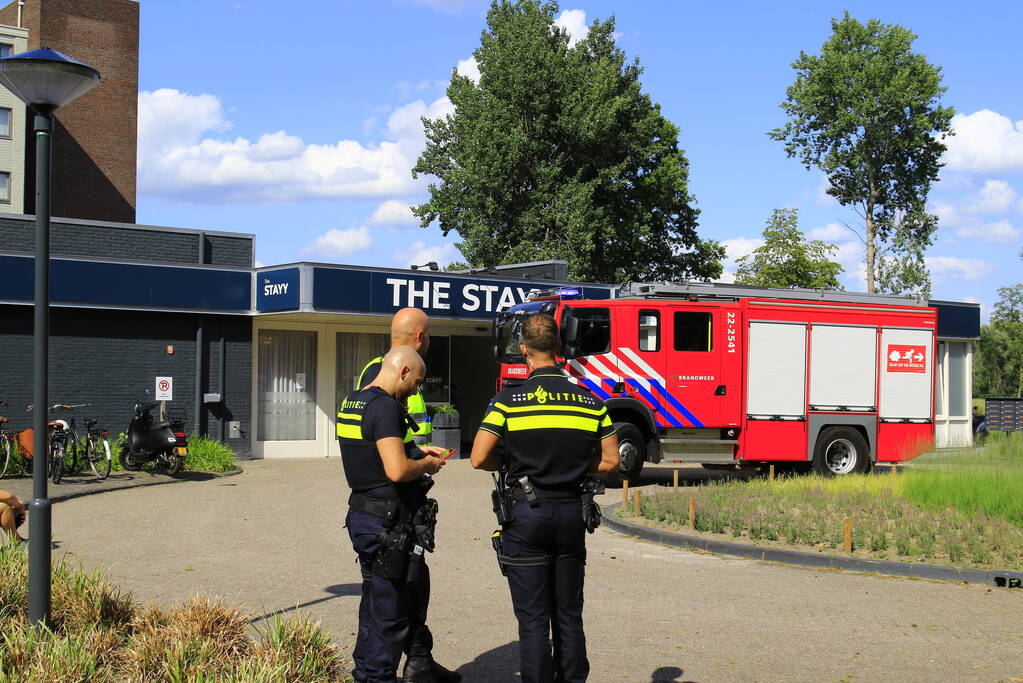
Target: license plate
181, 451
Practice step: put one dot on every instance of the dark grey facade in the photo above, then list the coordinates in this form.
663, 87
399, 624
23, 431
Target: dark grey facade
108, 357
71, 237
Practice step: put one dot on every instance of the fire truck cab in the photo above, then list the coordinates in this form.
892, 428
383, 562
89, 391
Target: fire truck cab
735, 377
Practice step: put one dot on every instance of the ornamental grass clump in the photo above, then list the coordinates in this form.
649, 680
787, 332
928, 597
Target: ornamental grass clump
99, 634
809, 513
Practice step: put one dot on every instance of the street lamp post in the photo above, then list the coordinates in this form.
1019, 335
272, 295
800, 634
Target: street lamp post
44, 80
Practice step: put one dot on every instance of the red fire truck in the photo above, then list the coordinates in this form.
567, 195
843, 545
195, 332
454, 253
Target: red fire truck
732, 376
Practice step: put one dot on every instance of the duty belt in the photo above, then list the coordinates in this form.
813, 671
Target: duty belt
386, 509
544, 494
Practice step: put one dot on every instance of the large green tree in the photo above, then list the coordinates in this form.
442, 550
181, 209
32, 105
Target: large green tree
787, 259
867, 112
998, 359
556, 153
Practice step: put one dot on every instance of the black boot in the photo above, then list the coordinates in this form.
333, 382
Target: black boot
425, 670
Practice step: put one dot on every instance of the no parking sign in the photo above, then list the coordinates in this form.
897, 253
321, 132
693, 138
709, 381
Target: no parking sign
164, 388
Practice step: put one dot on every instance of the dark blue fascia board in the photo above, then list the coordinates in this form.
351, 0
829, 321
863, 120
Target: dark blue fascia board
445, 295
129, 285
957, 320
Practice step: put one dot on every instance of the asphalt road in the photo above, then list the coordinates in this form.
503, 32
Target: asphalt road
272, 539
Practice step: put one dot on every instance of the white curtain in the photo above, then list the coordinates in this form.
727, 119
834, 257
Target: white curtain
354, 350
287, 385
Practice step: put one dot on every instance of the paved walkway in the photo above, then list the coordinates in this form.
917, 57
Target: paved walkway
85, 484
271, 538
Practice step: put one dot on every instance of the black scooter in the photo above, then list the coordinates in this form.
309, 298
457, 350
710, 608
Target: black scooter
149, 439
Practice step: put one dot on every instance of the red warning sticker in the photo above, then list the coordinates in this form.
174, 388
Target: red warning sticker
907, 358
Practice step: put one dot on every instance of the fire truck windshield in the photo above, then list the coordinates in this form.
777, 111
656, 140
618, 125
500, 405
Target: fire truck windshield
508, 328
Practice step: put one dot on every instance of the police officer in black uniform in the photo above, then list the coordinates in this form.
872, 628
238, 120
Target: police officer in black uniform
554, 433
390, 521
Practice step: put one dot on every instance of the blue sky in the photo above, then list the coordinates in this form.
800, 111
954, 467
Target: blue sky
299, 121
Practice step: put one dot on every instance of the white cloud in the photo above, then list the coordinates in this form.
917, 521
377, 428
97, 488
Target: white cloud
944, 268
182, 155
821, 196
334, 243
994, 197
420, 253
985, 142
573, 21
469, 68
832, 232
1000, 232
393, 212
737, 247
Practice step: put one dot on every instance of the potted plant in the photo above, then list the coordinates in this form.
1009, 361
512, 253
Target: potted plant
446, 433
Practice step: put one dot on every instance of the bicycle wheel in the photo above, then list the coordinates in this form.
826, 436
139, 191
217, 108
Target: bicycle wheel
6, 448
97, 451
57, 451
72, 455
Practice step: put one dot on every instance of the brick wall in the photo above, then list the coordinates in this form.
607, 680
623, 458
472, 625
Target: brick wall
108, 358
126, 242
94, 142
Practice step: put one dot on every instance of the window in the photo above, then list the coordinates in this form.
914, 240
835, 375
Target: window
649, 330
693, 331
5, 122
286, 390
940, 388
958, 380
5, 50
5, 187
594, 333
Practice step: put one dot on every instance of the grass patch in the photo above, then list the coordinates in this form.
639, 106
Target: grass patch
100, 634
204, 455
958, 510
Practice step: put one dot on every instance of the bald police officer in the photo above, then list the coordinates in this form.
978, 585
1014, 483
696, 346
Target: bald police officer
554, 434
409, 327
390, 522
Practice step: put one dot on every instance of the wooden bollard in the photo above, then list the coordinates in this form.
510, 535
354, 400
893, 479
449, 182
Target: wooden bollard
637, 502
847, 543
625, 492
692, 512
770, 475
674, 479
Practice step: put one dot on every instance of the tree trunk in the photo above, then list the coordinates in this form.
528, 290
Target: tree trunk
870, 243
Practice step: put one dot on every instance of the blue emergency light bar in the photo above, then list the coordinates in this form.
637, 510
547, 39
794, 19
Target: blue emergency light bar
559, 293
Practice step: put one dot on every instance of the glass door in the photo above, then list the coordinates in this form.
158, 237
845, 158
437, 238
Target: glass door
286, 385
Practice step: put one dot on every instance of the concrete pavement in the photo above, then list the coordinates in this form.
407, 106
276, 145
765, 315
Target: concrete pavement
273, 540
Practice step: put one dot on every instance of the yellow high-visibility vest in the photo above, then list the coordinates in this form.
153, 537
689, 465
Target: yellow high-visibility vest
415, 405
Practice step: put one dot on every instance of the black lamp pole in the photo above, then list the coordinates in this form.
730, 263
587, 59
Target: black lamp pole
43, 79
40, 520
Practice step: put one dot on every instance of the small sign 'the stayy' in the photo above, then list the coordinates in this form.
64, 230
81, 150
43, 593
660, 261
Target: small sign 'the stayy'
164, 388
907, 358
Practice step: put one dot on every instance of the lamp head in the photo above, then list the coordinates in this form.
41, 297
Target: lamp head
45, 79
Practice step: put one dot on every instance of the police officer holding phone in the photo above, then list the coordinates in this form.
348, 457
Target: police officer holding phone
390, 521
554, 433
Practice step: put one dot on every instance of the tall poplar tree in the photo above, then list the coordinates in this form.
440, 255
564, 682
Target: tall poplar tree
866, 112
556, 153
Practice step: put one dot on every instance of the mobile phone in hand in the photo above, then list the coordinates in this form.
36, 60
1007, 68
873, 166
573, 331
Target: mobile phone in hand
448, 453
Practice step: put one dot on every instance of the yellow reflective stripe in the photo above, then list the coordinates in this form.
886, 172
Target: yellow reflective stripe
349, 416
606, 422
349, 431
495, 418
546, 407
552, 422
485, 428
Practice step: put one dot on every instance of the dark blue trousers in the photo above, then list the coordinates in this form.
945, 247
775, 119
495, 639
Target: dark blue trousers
548, 599
392, 613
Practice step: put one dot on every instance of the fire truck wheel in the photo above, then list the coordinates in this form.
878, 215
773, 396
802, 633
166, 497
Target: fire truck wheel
631, 450
840, 450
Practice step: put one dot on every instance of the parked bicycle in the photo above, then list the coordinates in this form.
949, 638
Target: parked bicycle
68, 451
11, 460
